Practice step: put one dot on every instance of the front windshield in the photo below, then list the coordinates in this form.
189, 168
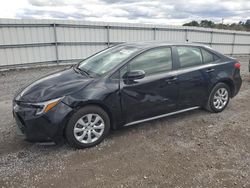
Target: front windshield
103, 62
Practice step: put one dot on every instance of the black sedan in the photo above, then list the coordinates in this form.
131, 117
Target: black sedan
125, 85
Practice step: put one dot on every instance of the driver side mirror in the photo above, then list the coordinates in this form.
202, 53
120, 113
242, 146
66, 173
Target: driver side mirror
134, 75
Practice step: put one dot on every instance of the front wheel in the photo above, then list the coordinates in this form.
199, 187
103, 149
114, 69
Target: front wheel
87, 127
219, 98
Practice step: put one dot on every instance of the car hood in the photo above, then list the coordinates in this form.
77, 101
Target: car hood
54, 86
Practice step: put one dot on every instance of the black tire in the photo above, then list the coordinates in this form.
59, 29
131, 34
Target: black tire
69, 131
210, 103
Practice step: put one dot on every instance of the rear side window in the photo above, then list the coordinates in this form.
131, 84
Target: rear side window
189, 56
153, 61
208, 57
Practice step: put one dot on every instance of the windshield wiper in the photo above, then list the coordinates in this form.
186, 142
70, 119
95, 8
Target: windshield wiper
83, 71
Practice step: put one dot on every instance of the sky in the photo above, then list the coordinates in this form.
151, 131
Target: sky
169, 12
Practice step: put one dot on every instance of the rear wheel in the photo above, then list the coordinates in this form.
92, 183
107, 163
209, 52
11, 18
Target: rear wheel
87, 127
219, 98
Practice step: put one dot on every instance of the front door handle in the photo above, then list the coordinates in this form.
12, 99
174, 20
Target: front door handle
210, 70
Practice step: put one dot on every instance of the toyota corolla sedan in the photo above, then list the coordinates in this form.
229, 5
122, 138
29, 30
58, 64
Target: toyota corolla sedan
125, 85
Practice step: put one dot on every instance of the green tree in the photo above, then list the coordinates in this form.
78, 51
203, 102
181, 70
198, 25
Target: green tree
207, 24
242, 26
192, 23
247, 24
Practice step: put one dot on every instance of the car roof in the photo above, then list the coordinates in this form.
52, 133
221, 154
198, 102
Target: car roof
149, 44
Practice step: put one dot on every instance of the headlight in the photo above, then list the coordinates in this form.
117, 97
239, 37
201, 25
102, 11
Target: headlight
44, 107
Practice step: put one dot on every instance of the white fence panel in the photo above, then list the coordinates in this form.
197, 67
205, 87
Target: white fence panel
77, 52
26, 35
58, 41
241, 49
203, 37
171, 35
223, 38
225, 49
65, 34
242, 39
130, 35
13, 56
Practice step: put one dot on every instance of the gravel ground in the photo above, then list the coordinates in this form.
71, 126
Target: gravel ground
197, 148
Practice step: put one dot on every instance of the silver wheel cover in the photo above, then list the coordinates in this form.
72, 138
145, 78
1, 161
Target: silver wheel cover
89, 128
220, 98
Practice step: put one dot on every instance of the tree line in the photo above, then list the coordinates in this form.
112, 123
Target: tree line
241, 26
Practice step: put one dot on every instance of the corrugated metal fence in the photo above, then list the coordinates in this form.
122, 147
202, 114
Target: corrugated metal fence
58, 41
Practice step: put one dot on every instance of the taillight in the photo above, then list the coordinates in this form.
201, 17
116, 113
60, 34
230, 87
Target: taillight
237, 65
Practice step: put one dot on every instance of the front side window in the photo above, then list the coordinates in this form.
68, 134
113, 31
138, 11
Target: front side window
189, 56
153, 61
105, 61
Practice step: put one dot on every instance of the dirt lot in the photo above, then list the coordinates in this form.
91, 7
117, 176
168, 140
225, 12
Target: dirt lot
197, 149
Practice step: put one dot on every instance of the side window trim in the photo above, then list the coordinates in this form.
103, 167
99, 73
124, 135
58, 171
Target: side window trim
202, 58
124, 66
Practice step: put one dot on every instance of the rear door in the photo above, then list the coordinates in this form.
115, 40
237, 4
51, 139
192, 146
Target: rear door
156, 93
194, 75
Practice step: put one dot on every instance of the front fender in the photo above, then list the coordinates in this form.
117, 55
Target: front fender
106, 98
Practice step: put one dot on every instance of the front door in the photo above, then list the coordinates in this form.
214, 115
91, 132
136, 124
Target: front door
156, 93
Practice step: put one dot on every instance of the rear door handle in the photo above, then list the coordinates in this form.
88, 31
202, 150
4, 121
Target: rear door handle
171, 79
210, 70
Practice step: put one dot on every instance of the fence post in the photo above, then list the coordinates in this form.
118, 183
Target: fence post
233, 44
211, 38
56, 43
108, 35
154, 34
186, 35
